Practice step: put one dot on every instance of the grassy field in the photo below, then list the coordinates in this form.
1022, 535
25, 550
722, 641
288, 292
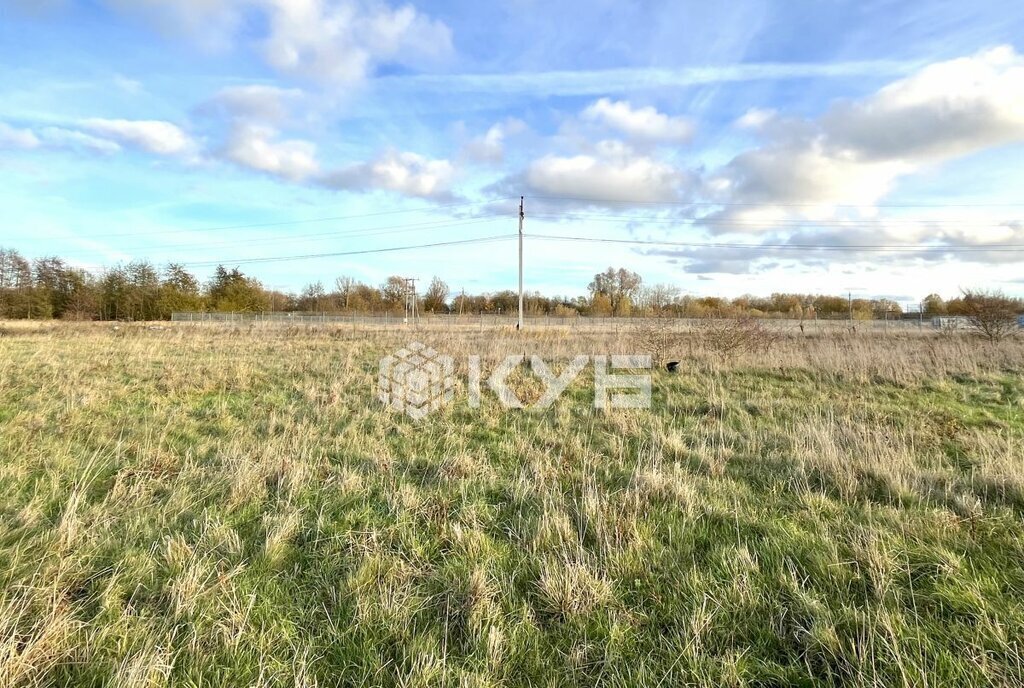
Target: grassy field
207, 506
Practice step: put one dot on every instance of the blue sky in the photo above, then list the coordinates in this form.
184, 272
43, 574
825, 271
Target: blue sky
762, 146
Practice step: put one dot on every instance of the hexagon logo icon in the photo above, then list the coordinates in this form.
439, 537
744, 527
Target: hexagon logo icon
416, 380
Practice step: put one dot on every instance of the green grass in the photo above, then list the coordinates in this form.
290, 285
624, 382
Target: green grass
201, 507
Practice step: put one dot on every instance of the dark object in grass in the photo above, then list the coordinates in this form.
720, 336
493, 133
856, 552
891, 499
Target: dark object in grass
672, 366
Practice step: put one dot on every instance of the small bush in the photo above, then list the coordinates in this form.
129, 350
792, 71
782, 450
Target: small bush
658, 337
727, 337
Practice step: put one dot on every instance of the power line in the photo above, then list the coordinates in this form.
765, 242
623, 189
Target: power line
804, 247
444, 224
741, 223
310, 256
775, 205
440, 224
355, 233
304, 221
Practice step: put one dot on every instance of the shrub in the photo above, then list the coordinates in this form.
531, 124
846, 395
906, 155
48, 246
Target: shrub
992, 315
729, 336
657, 337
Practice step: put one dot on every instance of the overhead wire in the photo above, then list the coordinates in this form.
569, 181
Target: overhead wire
770, 246
604, 201
784, 223
337, 254
318, 236
285, 223
604, 217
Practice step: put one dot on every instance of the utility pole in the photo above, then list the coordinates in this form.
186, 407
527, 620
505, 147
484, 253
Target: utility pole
522, 215
410, 299
850, 295
415, 314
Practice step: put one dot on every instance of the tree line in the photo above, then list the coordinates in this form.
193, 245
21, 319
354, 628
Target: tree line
51, 287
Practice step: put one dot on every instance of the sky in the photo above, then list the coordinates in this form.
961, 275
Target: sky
756, 146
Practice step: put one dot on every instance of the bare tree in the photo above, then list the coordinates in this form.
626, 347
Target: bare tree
436, 298
313, 297
992, 314
344, 286
658, 297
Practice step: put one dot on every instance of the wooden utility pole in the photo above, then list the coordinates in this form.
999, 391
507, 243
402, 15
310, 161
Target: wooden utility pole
410, 299
522, 215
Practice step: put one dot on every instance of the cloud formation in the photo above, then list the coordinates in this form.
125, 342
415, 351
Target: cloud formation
756, 118
211, 24
601, 82
261, 148
332, 41
341, 42
946, 110
70, 139
878, 242
257, 147
811, 182
613, 173
490, 146
405, 173
53, 138
644, 124
22, 139
254, 102
152, 136
856, 152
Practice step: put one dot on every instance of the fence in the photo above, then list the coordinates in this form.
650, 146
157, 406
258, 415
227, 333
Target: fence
494, 321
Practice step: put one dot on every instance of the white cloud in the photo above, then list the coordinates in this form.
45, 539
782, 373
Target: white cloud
255, 102
756, 118
53, 138
856, 153
614, 173
210, 24
490, 147
153, 136
341, 42
801, 178
337, 41
820, 181
945, 110
17, 138
645, 123
59, 137
405, 173
604, 81
256, 147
